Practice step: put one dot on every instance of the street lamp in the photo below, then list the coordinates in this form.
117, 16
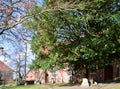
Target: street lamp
1, 48
2, 53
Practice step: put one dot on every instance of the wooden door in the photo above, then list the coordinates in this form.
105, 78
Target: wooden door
108, 73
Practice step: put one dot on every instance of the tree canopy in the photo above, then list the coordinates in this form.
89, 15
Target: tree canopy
85, 33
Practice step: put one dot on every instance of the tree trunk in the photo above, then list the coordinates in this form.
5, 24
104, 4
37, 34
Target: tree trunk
87, 73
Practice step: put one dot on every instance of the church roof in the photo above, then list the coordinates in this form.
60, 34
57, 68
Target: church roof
4, 67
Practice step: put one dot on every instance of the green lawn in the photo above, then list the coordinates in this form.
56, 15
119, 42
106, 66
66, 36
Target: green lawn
25, 87
42, 86
117, 87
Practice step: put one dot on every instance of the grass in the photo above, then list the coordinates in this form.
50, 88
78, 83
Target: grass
42, 86
117, 87
25, 87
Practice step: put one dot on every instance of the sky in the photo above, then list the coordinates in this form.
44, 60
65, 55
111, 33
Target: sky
12, 60
13, 45
10, 49
8, 45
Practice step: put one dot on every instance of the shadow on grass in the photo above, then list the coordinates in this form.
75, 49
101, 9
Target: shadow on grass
78, 84
7, 87
111, 81
65, 84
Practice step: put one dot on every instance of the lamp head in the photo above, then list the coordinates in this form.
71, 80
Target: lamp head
1, 47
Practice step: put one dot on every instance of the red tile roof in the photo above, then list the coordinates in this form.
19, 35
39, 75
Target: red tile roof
4, 67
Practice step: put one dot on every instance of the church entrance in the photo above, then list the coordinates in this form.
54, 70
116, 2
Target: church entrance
108, 73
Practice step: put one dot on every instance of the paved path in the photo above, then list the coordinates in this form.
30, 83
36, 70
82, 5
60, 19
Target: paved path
99, 86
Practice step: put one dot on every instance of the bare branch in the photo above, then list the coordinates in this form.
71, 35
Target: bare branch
10, 10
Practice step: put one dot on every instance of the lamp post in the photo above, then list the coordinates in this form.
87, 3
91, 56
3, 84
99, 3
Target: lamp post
1, 52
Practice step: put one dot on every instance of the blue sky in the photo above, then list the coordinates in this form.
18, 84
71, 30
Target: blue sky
12, 50
9, 46
12, 46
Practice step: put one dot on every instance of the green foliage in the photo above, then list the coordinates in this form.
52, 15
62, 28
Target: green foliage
79, 32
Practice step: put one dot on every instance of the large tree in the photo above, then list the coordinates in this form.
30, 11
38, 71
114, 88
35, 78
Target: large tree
82, 32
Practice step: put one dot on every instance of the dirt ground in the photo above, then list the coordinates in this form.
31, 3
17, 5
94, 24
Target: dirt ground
98, 86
